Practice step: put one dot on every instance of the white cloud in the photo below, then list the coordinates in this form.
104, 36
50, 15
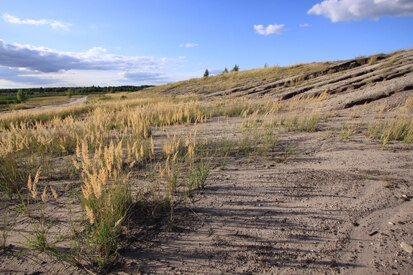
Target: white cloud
188, 45
358, 9
48, 60
152, 77
270, 29
52, 23
304, 25
27, 64
23, 76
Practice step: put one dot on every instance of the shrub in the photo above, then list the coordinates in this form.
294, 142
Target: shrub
21, 96
69, 93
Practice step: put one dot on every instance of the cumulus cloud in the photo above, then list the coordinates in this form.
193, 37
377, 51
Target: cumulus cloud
359, 9
270, 29
52, 23
23, 76
40, 66
144, 76
48, 60
188, 45
304, 25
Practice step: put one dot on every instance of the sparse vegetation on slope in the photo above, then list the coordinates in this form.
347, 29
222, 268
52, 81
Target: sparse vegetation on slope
113, 164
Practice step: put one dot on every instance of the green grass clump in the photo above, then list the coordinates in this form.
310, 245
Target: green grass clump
198, 175
346, 131
106, 215
13, 175
308, 123
395, 129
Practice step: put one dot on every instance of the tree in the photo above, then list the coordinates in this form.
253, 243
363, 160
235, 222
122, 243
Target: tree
69, 92
226, 70
206, 73
265, 65
235, 69
21, 96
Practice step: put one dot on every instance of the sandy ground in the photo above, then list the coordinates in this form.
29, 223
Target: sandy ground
333, 207
337, 207
72, 101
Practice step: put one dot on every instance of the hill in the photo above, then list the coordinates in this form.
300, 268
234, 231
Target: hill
352, 82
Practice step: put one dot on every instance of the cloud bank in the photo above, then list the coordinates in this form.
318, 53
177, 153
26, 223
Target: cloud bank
144, 76
52, 23
345, 10
24, 77
46, 60
270, 29
40, 65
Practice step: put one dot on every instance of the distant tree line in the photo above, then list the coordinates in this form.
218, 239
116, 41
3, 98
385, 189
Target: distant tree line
10, 96
75, 90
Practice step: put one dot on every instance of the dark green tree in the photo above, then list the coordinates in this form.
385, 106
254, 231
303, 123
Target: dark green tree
21, 96
235, 69
69, 92
206, 73
226, 70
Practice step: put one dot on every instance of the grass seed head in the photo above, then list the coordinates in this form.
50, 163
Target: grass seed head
54, 193
44, 195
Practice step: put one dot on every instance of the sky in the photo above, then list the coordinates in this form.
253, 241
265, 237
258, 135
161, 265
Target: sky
51, 43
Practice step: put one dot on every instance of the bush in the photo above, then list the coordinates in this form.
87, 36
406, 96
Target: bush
21, 96
69, 93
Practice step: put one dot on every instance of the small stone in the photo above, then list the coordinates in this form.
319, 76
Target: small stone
408, 248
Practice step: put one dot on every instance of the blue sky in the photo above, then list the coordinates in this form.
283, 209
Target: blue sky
82, 43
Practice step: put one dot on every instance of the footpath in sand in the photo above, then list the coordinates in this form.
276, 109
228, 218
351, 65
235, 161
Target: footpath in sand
72, 101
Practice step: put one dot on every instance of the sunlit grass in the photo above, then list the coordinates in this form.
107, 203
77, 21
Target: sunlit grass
108, 145
392, 129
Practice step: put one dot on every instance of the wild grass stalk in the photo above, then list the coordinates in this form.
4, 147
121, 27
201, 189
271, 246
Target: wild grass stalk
392, 129
302, 123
